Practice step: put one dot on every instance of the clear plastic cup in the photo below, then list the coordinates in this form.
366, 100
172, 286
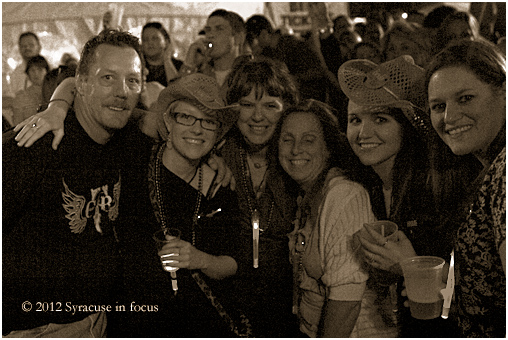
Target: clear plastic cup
163, 237
423, 279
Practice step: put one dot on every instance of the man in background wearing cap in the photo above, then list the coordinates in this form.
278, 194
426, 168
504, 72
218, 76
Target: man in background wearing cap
303, 63
61, 208
224, 41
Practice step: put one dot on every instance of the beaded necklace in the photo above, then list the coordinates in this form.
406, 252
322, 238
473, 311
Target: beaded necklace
297, 254
160, 202
308, 203
243, 328
243, 163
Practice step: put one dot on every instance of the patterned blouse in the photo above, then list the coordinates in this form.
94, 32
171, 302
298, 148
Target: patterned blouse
481, 290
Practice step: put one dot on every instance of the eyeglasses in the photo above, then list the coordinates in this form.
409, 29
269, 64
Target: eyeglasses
187, 120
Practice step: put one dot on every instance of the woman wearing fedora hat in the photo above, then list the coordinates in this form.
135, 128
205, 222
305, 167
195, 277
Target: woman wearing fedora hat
182, 196
390, 133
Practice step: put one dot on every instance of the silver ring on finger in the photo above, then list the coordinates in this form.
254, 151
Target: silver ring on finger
34, 125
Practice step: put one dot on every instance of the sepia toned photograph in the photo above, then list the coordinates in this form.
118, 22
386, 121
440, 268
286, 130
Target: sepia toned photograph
253, 169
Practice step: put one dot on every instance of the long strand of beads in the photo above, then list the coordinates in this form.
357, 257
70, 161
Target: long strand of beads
243, 162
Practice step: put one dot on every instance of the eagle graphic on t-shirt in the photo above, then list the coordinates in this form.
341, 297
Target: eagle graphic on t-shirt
79, 210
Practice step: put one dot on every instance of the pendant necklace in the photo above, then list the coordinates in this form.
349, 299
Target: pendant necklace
255, 217
259, 165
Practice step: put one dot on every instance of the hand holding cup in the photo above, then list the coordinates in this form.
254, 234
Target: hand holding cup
384, 252
166, 240
441, 293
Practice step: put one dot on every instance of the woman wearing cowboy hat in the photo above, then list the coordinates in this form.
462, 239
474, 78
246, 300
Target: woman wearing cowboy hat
182, 196
390, 133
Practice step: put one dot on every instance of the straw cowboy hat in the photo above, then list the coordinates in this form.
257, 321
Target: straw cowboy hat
397, 83
203, 92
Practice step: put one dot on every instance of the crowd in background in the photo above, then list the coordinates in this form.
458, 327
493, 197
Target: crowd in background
306, 112
380, 38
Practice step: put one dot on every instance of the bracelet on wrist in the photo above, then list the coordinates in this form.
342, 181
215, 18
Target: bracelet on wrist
60, 100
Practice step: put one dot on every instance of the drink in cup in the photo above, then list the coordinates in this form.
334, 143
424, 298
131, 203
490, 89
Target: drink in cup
163, 237
387, 229
423, 277
166, 263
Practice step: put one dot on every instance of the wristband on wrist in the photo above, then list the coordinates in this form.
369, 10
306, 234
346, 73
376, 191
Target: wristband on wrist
60, 100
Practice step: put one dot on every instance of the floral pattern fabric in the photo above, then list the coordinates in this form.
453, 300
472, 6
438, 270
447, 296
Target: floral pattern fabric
481, 290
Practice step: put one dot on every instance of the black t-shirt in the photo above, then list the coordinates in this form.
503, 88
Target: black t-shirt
158, 73
146, 285
60, 220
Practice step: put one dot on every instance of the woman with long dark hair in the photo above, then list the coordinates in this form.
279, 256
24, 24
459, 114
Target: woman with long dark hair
330, 294
466, 87
388, 131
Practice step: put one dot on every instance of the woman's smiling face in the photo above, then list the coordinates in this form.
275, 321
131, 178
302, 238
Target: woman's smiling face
302, 149
374, 134
259, 117
190, 142
466, 112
